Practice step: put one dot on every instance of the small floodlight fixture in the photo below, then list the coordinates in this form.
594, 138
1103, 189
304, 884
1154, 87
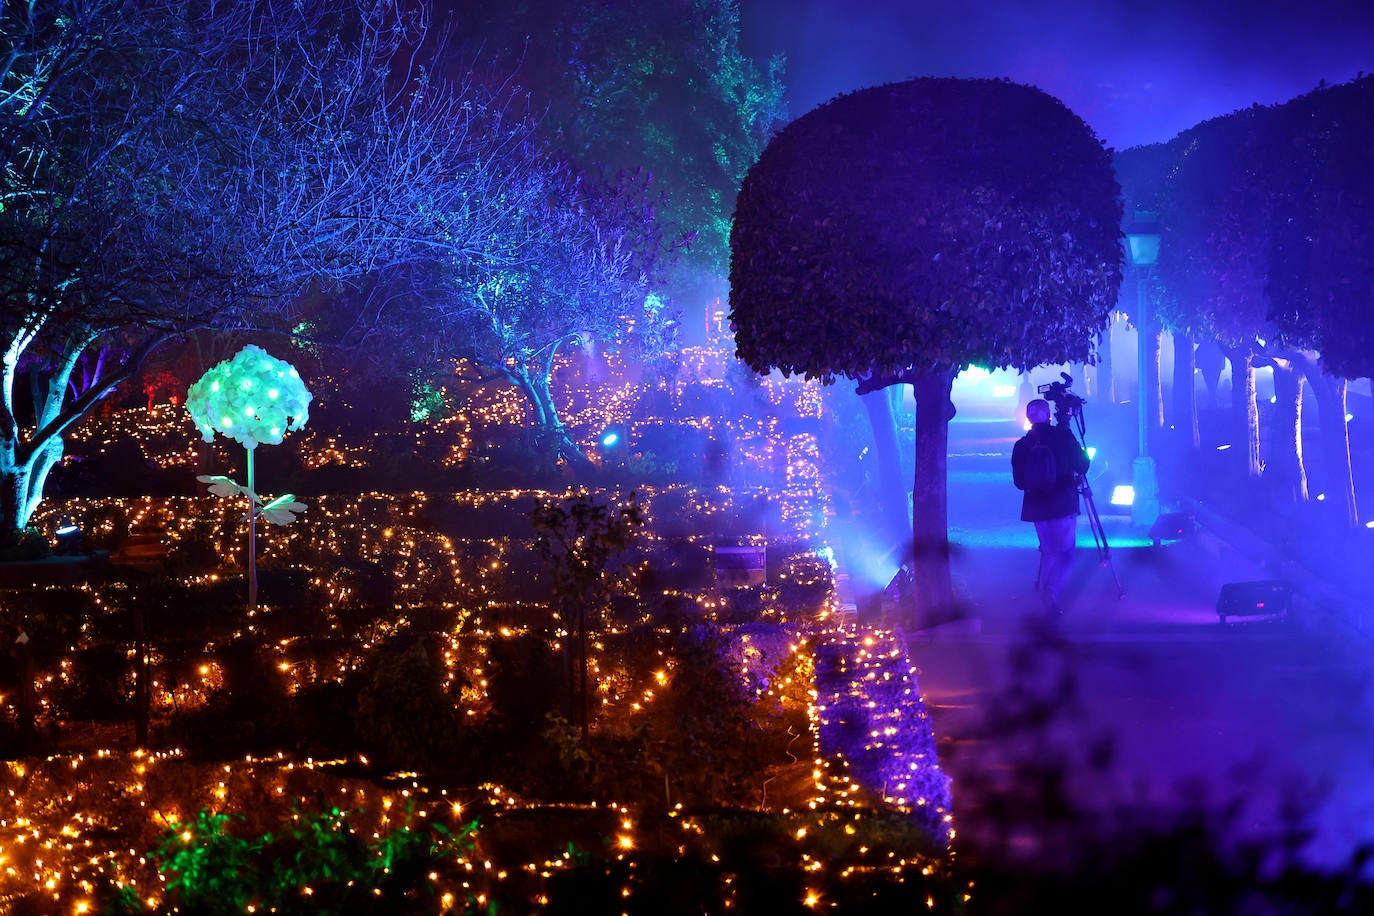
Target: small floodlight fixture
68, 538
1123, 495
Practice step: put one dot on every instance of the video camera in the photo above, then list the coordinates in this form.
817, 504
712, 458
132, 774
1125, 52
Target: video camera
1066, 403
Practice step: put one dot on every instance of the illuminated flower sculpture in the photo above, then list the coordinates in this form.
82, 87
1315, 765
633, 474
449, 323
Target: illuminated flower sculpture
254, 398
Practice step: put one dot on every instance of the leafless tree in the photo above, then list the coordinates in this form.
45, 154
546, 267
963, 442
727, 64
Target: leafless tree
166, 167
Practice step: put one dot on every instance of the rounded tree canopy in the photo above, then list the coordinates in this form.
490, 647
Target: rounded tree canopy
923, 226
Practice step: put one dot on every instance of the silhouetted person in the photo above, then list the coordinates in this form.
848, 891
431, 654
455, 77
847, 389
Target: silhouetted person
1045, 463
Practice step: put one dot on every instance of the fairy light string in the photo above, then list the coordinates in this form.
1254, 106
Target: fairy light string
78, 821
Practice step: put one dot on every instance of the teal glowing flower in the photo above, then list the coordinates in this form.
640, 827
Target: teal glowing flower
253, 398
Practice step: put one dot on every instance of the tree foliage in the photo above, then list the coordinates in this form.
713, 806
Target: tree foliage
1265, 225
661, 86
1321, 284
573, 261
1210, 250
929, 224
580, 537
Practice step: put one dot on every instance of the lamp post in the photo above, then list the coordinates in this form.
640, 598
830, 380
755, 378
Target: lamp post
1143, 238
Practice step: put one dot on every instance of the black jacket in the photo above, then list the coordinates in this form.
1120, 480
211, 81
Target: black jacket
1069, 457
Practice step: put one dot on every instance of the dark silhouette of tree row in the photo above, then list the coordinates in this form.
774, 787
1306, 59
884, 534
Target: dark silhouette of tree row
1265, 217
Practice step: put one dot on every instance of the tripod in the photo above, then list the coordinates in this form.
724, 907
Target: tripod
1074, 414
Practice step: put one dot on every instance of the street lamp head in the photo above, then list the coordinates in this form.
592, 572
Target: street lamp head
1142, 234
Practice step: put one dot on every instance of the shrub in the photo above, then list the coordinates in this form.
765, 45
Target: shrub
32, 545
404, 717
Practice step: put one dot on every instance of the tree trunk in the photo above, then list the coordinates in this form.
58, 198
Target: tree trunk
1283, 467
1154, 381
584, 681
21, 485
1106, 386
1210, 361
28, 701
1244, 413
570, 660
142, 691
27, 456
1339, 485
930, 501
550, 428
1185, 395
14, 482
891, 497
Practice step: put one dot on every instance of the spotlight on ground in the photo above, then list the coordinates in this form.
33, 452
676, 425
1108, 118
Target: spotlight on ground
1172, 526
69, 540
1267, 597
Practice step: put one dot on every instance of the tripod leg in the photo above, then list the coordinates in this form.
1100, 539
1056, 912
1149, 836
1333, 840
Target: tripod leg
1100, 537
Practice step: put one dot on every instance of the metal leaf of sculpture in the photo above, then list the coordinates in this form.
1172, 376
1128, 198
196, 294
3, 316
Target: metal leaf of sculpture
222, 486
282, 510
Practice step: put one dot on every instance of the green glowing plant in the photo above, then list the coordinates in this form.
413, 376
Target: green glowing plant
208, 870
253, 398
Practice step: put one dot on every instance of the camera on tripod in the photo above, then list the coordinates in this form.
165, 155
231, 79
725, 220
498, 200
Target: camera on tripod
1068, 410
1066, 403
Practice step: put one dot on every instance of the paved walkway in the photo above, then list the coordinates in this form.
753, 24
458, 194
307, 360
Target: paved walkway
1142, 706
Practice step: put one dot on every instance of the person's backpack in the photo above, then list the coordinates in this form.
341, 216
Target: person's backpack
1039, 469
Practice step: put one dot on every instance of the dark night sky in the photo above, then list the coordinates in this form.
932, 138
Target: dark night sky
1136, 73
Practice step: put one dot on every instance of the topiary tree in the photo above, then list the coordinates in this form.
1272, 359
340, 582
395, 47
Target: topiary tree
900, 233
1212, 239
1320, 278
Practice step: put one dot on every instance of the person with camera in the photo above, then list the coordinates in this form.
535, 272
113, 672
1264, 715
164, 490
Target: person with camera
1046, 464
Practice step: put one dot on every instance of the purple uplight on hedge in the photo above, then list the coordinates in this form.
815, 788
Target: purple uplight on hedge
873, 718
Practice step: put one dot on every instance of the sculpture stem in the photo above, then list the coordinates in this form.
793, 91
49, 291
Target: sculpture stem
252, 538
